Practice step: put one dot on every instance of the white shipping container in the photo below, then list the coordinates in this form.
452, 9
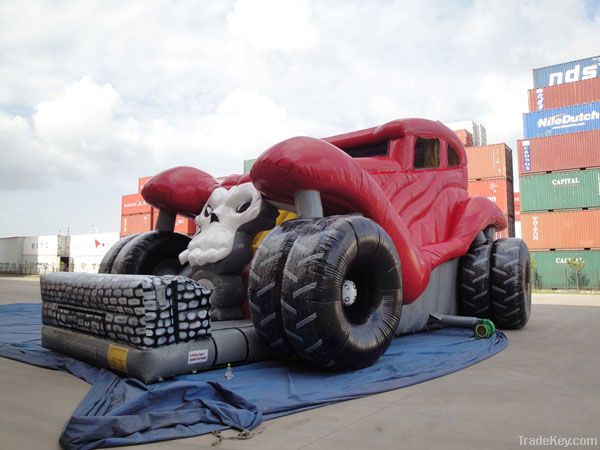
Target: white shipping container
96, 244
40, 264
52, 245
11, 254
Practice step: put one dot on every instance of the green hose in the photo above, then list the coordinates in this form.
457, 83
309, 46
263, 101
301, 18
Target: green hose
484, 328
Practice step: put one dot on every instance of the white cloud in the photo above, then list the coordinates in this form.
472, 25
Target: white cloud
94, 94
273, 24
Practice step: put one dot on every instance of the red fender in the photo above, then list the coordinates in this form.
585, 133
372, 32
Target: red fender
307, 163
180, 190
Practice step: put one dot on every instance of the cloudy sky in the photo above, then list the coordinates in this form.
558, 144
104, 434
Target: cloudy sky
94, 95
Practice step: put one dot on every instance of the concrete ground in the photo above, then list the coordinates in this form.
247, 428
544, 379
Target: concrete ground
547, 382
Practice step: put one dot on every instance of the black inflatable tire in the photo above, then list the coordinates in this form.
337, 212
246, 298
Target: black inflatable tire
264, 284
474, 290
320, 329
111, 254
511, 284
145, 253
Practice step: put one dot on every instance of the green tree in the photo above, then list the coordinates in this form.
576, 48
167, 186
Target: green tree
534, 272
577, 265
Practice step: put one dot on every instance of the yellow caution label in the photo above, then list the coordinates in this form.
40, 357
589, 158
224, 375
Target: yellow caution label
117, 357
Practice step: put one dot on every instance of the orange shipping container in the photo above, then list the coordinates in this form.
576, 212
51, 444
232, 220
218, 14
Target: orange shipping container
498, 190
568, 230
134, 204
141, 182
566, 94
489, 161
465, 137
561, 152
136, 223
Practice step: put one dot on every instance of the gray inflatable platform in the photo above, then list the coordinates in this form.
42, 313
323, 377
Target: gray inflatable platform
147, 327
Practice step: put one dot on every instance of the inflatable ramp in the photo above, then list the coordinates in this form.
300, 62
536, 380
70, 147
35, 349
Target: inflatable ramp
148, 327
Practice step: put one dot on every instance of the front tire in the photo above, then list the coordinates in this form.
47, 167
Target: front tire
511, 284
341, 295
152, 253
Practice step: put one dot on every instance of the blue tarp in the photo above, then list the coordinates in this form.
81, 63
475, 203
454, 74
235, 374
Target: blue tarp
121, 411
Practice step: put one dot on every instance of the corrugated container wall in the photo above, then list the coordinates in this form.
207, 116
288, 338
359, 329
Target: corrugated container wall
136, 223
561, 190
568, 230
498, 190
568, 72
489, 161
134, 204
11, 254
465, 137
552, 270
569, 151
554, 122
517, 206
550, 97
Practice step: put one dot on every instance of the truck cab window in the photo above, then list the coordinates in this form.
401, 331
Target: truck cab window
453, 158
427, 153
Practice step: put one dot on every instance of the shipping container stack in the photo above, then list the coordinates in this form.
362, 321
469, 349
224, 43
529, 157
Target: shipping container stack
137, 216
489, 169
559, 167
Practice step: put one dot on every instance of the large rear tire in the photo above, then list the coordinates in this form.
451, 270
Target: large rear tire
511, 284
474, 284
153, 253
264, 284
341, 295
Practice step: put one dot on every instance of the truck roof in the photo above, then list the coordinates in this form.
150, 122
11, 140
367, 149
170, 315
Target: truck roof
394, 130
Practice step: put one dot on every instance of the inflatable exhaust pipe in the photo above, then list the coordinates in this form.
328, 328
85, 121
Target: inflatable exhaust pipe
483, 328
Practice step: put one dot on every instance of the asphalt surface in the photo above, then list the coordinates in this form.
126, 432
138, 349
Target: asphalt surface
546, 383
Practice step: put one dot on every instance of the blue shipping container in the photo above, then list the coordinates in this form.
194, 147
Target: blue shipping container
568, 72
571, 119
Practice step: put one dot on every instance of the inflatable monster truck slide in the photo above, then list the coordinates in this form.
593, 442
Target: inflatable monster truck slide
327, 250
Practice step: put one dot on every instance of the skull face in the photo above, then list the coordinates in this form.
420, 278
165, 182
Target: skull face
224, 214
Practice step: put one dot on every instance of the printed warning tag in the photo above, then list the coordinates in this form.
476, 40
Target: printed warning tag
197, 356
117, 357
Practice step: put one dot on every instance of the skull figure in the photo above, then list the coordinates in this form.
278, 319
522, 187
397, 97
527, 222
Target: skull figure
226, 225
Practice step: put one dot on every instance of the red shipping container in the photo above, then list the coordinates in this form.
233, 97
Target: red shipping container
489, 161
566, 94
141, 182
136, 223
134, 204
562, 152
517, 206
498, 190
568, 230
465, 137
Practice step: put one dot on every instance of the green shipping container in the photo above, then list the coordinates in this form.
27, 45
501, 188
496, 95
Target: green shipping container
561, 190
248, 165
552, 270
